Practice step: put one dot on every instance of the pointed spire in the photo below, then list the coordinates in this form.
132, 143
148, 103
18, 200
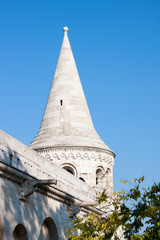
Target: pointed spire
66, 120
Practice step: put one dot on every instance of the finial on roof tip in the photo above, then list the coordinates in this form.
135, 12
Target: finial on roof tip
65, 29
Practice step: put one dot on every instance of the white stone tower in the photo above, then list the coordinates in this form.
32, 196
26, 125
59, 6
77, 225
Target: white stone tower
67, 135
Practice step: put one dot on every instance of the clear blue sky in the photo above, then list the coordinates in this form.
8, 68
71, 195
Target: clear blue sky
116, 45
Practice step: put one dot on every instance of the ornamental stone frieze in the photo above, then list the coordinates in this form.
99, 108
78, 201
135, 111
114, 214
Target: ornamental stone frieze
78, 154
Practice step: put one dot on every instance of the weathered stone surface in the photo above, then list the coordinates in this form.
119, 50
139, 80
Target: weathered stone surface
18, 162
30, 162
66, 120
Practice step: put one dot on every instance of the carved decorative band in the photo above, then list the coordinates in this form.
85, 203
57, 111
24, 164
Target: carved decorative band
75, 154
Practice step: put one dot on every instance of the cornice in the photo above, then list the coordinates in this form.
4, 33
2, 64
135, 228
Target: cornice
19, 177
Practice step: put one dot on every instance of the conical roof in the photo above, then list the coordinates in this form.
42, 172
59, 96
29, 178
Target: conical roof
66, 121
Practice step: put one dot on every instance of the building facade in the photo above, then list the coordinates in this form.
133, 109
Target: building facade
45, 185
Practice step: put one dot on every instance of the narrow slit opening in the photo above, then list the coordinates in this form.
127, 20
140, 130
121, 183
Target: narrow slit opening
61, 102
10, 158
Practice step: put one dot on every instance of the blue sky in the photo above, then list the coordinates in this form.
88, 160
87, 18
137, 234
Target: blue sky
116, 45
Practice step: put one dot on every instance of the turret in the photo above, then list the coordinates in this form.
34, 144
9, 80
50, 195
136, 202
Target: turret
67, 135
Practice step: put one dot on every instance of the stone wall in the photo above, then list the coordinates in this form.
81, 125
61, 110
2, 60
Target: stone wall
47, 206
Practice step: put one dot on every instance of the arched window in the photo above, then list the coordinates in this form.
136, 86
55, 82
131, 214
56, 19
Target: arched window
99, 174
70, 168
20, 233
48, 230
108, 171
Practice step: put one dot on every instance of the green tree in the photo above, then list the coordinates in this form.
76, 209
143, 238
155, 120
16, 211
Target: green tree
132, 214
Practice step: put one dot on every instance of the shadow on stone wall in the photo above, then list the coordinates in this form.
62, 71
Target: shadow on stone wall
43, 217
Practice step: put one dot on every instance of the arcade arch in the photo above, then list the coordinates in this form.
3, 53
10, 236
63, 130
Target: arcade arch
20, 233
48, 230
99, 174
70, 168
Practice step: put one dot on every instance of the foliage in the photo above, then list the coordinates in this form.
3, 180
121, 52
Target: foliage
132, 214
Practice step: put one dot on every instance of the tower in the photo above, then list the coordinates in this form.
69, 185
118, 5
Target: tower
67, 135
